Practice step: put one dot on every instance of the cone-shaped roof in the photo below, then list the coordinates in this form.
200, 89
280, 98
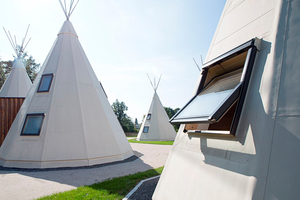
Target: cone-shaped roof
157, 122
18, 83
78, 126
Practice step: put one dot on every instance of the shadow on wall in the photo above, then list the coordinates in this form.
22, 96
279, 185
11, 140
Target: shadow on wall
249, 152
266, 146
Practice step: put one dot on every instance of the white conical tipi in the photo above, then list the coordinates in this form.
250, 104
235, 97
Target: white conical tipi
156, 126
66, 119
18, 83
240, 136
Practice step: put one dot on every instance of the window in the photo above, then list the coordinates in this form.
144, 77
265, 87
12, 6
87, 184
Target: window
221, 92
148, 117
33, 124
45, 83
146, 129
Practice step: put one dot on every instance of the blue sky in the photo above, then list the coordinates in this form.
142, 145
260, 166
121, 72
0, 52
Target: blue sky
124, 40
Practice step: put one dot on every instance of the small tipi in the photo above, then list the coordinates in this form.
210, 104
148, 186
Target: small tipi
66, 119
18, 83
156, 126
14, 89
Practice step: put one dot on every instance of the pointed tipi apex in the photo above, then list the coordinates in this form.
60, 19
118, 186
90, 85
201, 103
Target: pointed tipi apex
66, 119
156, 126
18, 83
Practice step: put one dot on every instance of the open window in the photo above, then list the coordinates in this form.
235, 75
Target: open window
45, 83
33, 124
148, 116
146, 129
217, 106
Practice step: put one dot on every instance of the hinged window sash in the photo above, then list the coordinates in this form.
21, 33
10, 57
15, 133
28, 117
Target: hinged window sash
220, 101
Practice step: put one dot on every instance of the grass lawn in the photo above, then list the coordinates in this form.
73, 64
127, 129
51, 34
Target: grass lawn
116, 188
152, 142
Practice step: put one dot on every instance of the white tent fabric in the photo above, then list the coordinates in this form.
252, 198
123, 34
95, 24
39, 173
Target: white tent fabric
261, 161
18, 83
159, 128
79, 126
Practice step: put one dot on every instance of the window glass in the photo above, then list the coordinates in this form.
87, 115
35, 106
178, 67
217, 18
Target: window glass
33, 124
148, 116
45, 83
216, 92
146, 129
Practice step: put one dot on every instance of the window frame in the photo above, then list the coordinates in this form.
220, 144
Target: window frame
238, 93
26, 120
147, 129
40, 84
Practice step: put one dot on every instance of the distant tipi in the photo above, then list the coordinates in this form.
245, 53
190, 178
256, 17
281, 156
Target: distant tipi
14, 89
156, 126
66, 119
18, 83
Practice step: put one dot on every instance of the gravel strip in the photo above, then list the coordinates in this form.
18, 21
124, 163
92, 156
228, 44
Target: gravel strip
144, 191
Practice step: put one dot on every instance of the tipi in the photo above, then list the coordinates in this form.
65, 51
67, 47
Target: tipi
66, 119
18, 83
156, 126
14, 89
240, 136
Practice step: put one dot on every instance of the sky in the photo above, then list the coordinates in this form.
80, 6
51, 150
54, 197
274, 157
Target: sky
124, 40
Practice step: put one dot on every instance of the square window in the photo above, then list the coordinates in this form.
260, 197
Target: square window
33, 124
45, 83
148, 117
146, 129
217, 106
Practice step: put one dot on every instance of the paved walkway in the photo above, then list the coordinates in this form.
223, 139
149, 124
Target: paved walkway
31, 185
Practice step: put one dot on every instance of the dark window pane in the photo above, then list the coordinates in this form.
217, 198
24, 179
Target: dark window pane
45, 83
33, 124
146, 129
148, 116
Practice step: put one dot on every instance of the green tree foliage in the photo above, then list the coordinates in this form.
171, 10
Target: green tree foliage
171, 112
5, 68
31, 67
120, 109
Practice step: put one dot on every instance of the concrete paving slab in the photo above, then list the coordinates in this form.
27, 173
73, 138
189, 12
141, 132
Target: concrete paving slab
35, 184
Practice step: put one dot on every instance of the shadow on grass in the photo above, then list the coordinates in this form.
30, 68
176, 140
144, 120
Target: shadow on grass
116, 188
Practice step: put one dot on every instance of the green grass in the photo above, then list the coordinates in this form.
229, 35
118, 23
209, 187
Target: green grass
152, 142
116, 188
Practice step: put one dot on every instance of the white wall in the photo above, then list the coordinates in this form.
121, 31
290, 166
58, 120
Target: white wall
262, 160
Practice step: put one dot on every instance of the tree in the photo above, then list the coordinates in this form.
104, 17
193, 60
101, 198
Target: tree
4, 70
170, 112
31, 67
120, 109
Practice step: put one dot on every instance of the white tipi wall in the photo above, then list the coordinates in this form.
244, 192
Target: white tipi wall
78, 128
159, 127
262, 160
